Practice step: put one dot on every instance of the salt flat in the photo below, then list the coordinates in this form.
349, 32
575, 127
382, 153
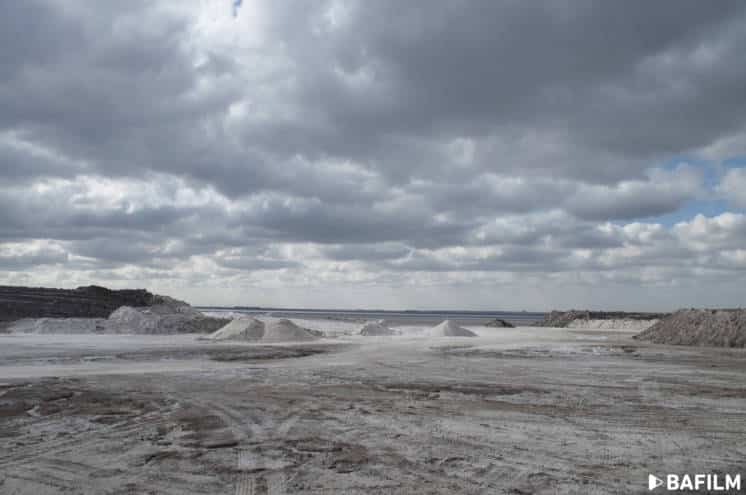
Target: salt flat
525, 410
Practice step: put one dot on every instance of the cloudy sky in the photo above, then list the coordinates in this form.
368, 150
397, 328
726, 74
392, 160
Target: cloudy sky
440, 154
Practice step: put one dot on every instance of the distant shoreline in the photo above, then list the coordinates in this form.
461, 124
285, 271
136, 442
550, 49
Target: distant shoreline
396, 311
406, 317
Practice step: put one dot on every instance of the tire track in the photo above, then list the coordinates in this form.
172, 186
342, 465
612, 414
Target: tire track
77, 442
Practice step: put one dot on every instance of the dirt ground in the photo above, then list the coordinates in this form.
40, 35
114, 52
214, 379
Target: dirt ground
514, 411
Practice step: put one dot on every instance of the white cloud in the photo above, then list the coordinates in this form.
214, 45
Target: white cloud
733, 187
727, 230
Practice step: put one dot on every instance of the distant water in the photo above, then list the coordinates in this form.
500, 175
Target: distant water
395, 317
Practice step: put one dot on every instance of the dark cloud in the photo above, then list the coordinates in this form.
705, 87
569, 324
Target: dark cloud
369, 140
508, 259
593, 76
375, 252
663, 192
31, 257
251, 263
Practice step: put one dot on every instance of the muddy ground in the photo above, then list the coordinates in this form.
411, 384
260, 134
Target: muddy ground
514, 411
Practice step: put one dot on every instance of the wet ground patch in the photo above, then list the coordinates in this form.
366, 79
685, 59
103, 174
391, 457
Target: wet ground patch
265, 353
574, 352
57, 397
478, 389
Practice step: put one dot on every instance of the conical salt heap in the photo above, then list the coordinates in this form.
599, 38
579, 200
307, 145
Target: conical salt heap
286, 331
448, 328
240, 329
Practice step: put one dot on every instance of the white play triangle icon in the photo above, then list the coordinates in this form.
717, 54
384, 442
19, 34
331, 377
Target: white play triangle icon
654, 482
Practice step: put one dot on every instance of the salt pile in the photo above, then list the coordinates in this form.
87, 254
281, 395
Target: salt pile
613, 324
58, 325
376, 328
240, 329
286, 331
254, 330
574, 317
705, 327
151, 320
168, 318
448, 328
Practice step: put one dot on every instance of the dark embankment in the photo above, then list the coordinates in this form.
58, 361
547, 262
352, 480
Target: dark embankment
700, 327
499, 323
564, 318
83, 302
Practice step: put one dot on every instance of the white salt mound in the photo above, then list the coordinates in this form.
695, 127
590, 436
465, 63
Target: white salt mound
706, 327
286, 331
162, 319
169, 317
230, 315
136, 320
376, 328
57, 325
613, 324
240, 329
448, 328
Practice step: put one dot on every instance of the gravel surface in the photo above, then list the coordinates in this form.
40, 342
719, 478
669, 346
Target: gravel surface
525, 410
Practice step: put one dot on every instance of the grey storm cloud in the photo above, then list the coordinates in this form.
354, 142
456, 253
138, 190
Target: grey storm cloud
514, 259
253, 263
592, 74
303, 137
376, 252
21, 261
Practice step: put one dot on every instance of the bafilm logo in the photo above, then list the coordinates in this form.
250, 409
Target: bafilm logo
696, 482
654, 482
